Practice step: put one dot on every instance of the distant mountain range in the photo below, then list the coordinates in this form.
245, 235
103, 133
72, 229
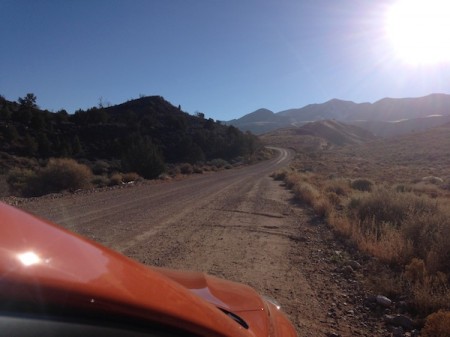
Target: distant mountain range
384, 118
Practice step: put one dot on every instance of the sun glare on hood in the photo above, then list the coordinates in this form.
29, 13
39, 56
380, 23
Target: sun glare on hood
29, 258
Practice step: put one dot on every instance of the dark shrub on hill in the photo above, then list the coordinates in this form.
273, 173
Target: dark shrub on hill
144, 158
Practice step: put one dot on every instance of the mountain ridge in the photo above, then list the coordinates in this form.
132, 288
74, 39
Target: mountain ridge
386, 110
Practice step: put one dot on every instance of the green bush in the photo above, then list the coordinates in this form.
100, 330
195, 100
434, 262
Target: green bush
144, 158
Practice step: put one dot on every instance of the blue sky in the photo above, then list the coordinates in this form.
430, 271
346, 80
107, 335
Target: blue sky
225, 58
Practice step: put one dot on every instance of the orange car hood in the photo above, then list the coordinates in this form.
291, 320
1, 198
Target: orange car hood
224, 294
44, 264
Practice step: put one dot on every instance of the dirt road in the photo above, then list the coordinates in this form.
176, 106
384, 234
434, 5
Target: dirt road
238, 224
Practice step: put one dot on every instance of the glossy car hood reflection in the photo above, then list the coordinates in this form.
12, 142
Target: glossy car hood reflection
45, 266
227, 295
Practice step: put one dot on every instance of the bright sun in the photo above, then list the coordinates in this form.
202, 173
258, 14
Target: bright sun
420, 30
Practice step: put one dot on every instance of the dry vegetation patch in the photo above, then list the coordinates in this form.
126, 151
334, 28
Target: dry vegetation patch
57, 175
391, 200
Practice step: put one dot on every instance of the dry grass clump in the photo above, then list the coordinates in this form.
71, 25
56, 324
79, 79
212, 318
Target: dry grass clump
63, 174
130, 177
186, 168
279, 175
437, 325
58, 175
116, 179
305, 192
18, 180
219, 163
430, 291
100, 181
385, 206
340, 187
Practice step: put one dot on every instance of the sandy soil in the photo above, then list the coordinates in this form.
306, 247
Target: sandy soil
238, 224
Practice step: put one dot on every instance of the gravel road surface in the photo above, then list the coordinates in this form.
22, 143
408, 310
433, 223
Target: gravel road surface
238, 224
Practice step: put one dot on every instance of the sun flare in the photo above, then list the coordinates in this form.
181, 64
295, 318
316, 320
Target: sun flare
419, 30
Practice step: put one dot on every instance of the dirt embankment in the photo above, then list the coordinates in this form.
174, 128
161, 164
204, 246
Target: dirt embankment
237, 224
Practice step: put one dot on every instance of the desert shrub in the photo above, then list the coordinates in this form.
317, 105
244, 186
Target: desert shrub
415, 271
100, 167
198, 169
19, 180
58, 175
431, 190
361, 184
130, 176
438, 257
337, 186
402, 188
428, 233
322, 207
341, 225
387, 206
433, 180
186, 168
218, 163
144, 158
333, 198
206, 168
173, 170
385, 243
377, 208
430, 296
62, 174
115, 179
295, 178
437, 325
306, 193
100, 181
279, 175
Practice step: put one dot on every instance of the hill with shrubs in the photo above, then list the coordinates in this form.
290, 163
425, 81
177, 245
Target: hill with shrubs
318, 135
147, 136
